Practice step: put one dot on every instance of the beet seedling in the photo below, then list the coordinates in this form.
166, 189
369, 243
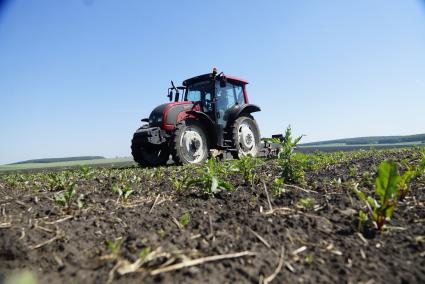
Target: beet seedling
421, 168
114, 246
306, 203
246, 166
86, 172
185, 219
145, 252
278, 186
67, 197
387, 188
123, 192
58, 181
363, 218
210, 180
353, 171
179, 180
405, 179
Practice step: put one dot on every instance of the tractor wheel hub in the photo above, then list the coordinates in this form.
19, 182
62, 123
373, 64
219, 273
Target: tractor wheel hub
246, 137
192, 145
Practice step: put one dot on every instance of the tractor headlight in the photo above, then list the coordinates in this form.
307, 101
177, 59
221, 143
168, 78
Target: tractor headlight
155, 119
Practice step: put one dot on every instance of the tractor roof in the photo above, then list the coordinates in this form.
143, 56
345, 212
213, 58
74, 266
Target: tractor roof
209, 76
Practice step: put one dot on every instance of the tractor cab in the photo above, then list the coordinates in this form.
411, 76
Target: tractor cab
215, 95
219, 97
209, 111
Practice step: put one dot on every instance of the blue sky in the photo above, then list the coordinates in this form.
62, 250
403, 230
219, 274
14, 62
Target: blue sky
77, 76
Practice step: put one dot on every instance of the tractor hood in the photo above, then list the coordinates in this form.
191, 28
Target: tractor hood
157, 115
168, 112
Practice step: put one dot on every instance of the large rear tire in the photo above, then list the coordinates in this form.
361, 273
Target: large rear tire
245, 137
190, 143
149, 155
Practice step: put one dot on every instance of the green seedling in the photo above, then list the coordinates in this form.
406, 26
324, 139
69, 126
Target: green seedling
123, 192
158, 173
185, 219
367, 179
278, 186
210, 181
145, 252
405, 179
363, 218
253, 201
387, 188
291, 169
246, 166
353, 171
179, 180
59, 181
86, 172
114, 246
11, 181
420, 170
67, 197
309, 258
307, 203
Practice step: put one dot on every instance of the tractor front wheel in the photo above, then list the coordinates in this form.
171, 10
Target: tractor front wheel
148, 155
190, 143
245, 137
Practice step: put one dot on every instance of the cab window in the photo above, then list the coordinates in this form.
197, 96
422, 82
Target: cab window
199, 91
240, 98
226, 96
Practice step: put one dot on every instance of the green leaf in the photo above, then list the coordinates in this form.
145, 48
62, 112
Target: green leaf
80, 204
193, 181
127, 193
360, 194
145, 252
297, 140
372, 201
279, 182
389, 210
362, 216
271, 140
387, 181
225, 185
185, 219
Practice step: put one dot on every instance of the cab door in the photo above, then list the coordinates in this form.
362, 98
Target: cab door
224, 100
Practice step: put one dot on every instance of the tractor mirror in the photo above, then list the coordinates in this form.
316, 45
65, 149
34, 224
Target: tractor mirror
223, 82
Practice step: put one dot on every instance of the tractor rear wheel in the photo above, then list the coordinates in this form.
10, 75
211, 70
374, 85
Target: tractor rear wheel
149, 155
245, 136
190, 143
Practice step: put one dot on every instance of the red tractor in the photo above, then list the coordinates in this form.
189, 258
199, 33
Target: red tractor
213, 113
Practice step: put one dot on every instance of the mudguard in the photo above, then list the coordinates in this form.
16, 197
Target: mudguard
239, 110
208, 123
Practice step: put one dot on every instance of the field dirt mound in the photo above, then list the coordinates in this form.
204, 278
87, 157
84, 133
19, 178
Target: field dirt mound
304, 234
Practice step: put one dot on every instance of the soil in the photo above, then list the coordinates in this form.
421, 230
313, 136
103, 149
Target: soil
317, 242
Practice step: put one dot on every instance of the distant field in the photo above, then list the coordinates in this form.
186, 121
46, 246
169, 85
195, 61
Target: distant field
335, 147
97, 162
364, 145
373, 140
57, 160
128, 161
